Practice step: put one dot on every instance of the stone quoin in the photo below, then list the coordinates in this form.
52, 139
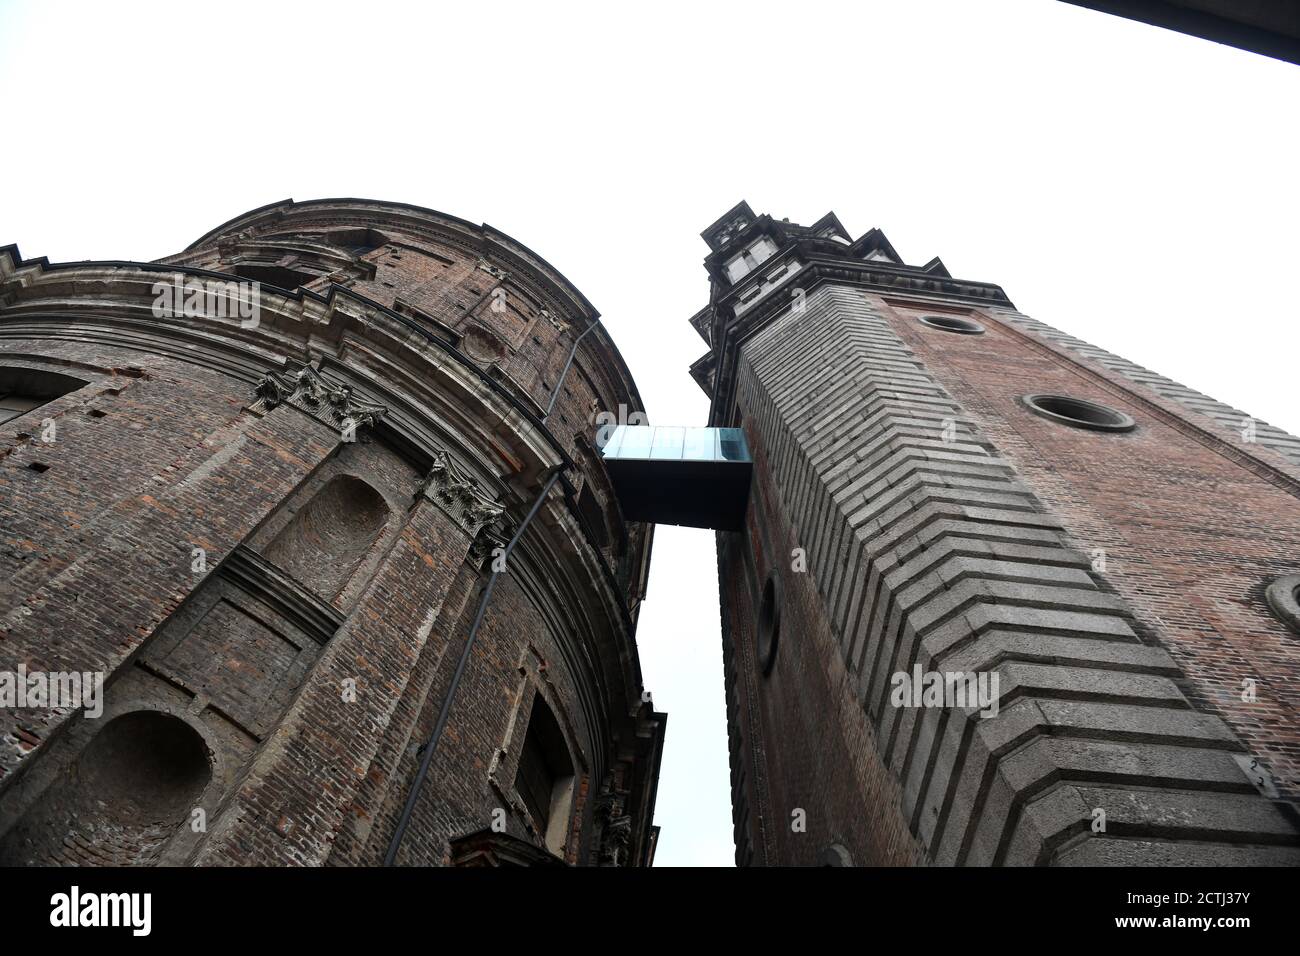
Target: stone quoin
1103, 548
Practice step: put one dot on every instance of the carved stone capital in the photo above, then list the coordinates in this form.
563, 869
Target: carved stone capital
459, 495
304, 388
493, 535
615, 829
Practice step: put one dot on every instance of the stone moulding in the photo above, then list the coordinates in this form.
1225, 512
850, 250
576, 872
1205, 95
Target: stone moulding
1283, 595
305, 389
252, 572
111, 301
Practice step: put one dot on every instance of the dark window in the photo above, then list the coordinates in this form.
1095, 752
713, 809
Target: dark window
23, 389
273, 275
356, 241
545, 773
1079, 413
593, 516
952, 323
769, 624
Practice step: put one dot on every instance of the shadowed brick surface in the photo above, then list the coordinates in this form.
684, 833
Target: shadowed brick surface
271, 537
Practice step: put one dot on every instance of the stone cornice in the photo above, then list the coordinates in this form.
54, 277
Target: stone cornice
255, 574
118, 296
477, 240
820, 267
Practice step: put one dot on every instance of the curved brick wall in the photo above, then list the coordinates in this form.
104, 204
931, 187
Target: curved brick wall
275, 532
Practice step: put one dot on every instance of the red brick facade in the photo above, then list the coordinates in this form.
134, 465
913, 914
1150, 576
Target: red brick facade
270, 537
912, 514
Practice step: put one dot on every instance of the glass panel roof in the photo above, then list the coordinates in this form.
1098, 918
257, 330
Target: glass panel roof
675, 443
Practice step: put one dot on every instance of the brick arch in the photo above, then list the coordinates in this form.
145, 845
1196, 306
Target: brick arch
120, 802
328, 539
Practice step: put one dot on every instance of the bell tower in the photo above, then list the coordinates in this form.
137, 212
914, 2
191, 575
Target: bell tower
1001, 597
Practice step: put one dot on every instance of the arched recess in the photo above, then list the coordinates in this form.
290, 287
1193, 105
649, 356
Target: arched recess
327, 540
131, 789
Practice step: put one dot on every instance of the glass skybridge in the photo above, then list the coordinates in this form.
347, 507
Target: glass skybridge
697, 477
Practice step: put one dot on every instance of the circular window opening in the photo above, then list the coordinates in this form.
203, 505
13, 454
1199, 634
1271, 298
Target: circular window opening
950, 323
1079, 413
1283, 597
769, 624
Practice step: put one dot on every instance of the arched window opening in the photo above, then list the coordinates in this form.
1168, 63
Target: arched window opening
356, 241
273, 275
836, 855
25, 389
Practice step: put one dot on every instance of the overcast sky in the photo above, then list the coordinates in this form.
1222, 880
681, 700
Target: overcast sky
1135, 187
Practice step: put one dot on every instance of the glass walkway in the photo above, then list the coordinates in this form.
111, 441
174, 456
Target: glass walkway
697, 477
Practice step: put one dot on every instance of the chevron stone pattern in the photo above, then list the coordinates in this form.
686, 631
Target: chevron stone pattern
933, 551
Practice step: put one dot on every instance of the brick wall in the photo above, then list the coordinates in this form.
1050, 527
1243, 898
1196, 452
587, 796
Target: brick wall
307, 653
937, 534
1192, 532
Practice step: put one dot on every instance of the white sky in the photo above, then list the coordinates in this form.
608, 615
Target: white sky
1135, 187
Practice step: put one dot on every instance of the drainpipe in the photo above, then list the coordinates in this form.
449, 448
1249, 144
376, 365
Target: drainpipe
432, 743
572, 352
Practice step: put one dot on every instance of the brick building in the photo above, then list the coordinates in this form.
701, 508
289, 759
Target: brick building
947, 490
260, 486
263, 485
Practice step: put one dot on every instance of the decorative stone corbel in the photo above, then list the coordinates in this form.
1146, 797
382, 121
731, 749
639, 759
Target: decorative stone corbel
615, 829
459, 495
493, 535
494, 271
304, 388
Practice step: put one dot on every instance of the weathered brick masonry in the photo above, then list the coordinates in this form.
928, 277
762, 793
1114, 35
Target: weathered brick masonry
271, 536
1113, 580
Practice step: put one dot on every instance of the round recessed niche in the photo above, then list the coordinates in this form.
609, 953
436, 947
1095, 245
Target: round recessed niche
1283, 596
951, 323
1079, 413
836, 855
769, 624
482, 346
